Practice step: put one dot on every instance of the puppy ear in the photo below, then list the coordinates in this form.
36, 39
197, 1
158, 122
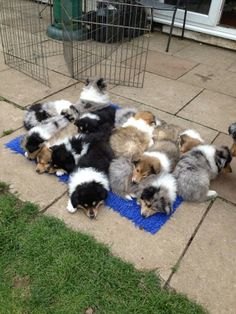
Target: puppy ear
87, 82
101, 84
74, 198
156, 167
148, 193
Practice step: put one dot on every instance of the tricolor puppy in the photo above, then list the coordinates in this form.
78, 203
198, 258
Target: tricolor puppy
93, 97
135, 136
150, 163
189, 139
232, 132
39, 112
197, 168
35, 138
96, 121
157, 194
89, 183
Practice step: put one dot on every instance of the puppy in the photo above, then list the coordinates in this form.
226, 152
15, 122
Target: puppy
232, 132
42, 111
170, 148
120, 175
93, 97
150, 163
135, 136
96, 120
197, 168
166, 132
123, 115
158, 195
89, 183
189, 139
38, 135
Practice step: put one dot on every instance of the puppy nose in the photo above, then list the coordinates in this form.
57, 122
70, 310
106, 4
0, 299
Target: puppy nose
134, 181
144, 215
91, 215
37, 170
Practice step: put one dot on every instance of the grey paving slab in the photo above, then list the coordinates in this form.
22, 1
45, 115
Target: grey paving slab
225, 184
232, 68
3, 66
21, 175
11, 117
161, 93
211, 77
211, 109
207, 55
207, 134
23, 90
71, 93
168, 66
144, 250
207, 272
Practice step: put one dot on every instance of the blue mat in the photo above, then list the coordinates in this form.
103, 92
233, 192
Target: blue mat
126, 208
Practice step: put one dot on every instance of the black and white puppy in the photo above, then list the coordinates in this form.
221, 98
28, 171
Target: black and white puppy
97, 120
35, 138
89, 183
40, 112
232, 132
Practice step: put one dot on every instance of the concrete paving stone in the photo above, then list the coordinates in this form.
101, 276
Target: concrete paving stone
57, 63
168, 66
232, 68
207, 134
11, 117
23, 90
158, 42
207, 55
211, 109
71, 93
161, 93
160, 251
207, 272
3, 66
20, 174
212, 78
225, 184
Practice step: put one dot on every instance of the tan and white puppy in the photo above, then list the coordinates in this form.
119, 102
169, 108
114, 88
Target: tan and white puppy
135, 136
189, 139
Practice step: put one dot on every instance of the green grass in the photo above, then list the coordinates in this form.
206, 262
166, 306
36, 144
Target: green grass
47, 268
7, 132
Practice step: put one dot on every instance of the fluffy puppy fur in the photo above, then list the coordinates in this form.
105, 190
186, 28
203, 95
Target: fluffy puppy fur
189, 139
150, 163
42, 111
232, 132
93, 97
123, 115
35, 138
97, 120
89, 183
166, 132
135, 136
197, 167
158, 195
120, 175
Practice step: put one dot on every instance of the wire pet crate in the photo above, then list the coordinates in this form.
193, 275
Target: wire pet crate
104, 38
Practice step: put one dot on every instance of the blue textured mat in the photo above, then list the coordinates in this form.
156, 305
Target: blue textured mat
128, 209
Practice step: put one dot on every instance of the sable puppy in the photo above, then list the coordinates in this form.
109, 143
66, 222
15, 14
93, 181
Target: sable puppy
166, 132
189, 139
89, 183
135, 136
96, 120
39, 112
232, 132
92, 98
197, 168
150, 163
38, 135
158, 196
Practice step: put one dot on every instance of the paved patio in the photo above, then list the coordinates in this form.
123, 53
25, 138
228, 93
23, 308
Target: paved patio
192, 86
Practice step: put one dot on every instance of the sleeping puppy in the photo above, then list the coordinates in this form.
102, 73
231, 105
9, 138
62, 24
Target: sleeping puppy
197, 168
93, 97
166, 132
158, 195
232, 132
33, 141
135, 136
189, 139
150, 163
89, 183
96, 120
123, 115
39, 112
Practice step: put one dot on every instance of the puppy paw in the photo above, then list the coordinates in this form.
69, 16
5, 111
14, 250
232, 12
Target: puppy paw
26, 155
70, 208
211, 194
60, 173
128, 197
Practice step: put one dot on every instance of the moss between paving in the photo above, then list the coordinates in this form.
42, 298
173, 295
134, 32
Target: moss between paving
47, 268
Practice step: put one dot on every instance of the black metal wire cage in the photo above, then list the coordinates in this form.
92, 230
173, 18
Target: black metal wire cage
86, 39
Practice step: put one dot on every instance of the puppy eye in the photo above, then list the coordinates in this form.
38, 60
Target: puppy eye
138, 170
85, 205
94, 203
81, 128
